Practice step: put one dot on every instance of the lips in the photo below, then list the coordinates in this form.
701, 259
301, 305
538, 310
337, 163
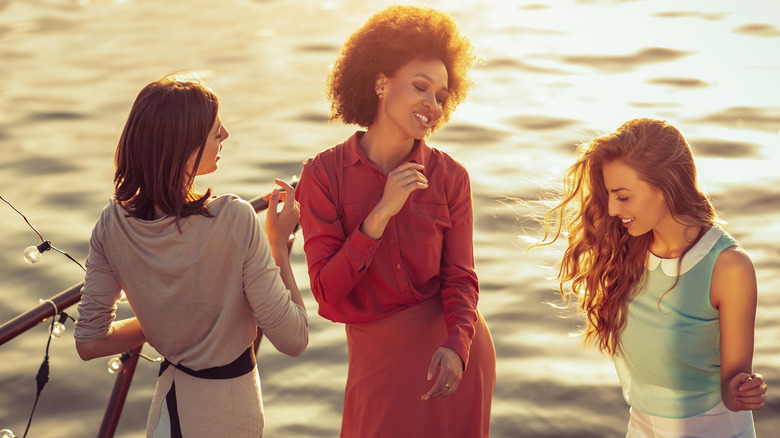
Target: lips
423, 118
627, 221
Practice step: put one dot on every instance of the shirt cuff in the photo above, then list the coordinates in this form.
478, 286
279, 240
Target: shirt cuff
364, 244
459, 346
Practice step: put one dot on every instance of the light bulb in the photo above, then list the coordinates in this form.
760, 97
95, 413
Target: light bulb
31, 256
57, 330
7, 433
122, 298
114, 365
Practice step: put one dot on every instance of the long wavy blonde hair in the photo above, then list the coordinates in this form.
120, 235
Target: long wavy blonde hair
603, 262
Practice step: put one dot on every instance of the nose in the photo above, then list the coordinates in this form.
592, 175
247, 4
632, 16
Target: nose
225, 133
430, 102
613, 207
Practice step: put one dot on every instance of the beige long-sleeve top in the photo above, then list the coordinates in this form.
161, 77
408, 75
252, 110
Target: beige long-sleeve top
199, 294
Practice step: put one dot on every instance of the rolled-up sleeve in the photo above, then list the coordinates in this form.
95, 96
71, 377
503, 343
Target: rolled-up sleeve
283, 321
101, 290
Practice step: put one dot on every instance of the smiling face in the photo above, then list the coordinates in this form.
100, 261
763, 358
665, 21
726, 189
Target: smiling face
209, 160
413, 98
639, 206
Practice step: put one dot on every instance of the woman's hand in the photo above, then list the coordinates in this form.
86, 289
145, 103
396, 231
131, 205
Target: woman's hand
747, 392
450, 368
280, 225
401, 182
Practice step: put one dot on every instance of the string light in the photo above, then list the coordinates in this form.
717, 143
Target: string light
115, 364
32, 254
58, 328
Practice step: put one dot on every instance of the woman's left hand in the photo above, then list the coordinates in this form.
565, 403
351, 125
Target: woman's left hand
279, 225
450, 368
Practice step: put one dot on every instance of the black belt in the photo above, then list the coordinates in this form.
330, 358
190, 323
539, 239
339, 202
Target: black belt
239, 367
244, 364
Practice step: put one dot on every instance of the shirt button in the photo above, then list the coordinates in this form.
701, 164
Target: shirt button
398, 266
370, 246
392, 240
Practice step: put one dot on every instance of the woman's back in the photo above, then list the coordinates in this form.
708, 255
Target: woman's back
189, 288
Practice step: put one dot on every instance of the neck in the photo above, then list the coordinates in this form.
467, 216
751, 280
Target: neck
674, 240
387, 148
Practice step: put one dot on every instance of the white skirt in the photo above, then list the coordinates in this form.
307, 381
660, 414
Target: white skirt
208, 408
718, 422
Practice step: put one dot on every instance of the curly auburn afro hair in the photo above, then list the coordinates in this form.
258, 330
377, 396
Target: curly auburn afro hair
389, 40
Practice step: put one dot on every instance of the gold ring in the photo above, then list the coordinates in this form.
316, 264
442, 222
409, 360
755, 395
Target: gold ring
447, 385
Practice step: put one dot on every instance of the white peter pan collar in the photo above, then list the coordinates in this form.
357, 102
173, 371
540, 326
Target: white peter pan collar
692, 257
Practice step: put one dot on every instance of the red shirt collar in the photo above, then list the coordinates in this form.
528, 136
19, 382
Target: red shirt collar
354, 153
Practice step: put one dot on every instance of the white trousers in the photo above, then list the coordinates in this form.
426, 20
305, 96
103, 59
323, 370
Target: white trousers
718, 422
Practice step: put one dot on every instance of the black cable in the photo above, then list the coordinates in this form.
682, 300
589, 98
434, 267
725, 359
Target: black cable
48, 244
68, 256
25, 219
42, 378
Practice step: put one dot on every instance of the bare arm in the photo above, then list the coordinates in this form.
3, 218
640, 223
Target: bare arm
735, 294
125, 335
278, 227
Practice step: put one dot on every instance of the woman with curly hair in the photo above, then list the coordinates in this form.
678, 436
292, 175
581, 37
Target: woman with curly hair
387, 223
668, 293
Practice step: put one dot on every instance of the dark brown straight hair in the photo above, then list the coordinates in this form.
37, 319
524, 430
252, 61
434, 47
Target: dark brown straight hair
168, 123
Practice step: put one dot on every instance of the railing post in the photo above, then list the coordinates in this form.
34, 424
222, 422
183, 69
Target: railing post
118, 395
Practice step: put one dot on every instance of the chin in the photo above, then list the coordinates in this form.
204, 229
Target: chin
637, 234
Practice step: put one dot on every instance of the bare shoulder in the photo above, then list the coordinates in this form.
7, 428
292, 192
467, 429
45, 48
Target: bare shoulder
734, 261
733, 277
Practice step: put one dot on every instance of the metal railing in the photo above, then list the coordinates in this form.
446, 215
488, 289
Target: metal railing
71, 296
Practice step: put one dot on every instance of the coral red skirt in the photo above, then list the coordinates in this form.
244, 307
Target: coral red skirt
388, 365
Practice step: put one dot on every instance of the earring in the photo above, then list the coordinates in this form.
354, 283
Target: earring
381, 95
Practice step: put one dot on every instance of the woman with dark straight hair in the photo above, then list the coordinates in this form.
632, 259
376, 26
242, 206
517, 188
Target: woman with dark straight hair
197, 270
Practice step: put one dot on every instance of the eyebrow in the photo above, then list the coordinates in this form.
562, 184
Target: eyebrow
618, 189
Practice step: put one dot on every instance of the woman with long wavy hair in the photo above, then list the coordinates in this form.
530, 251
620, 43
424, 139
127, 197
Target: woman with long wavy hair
668, 293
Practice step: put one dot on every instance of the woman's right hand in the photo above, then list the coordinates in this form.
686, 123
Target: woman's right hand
747, 391
401, 182
280, 225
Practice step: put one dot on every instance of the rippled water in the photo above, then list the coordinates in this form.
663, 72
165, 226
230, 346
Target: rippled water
554, 73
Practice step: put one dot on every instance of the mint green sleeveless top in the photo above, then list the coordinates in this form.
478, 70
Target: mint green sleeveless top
669, 361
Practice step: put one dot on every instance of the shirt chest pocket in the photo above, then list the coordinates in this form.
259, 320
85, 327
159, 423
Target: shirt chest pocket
426, 225
354, 215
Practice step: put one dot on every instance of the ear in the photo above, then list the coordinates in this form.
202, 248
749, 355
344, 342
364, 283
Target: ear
379, 83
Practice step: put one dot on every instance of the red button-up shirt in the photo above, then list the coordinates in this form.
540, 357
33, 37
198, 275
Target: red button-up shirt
426, 250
